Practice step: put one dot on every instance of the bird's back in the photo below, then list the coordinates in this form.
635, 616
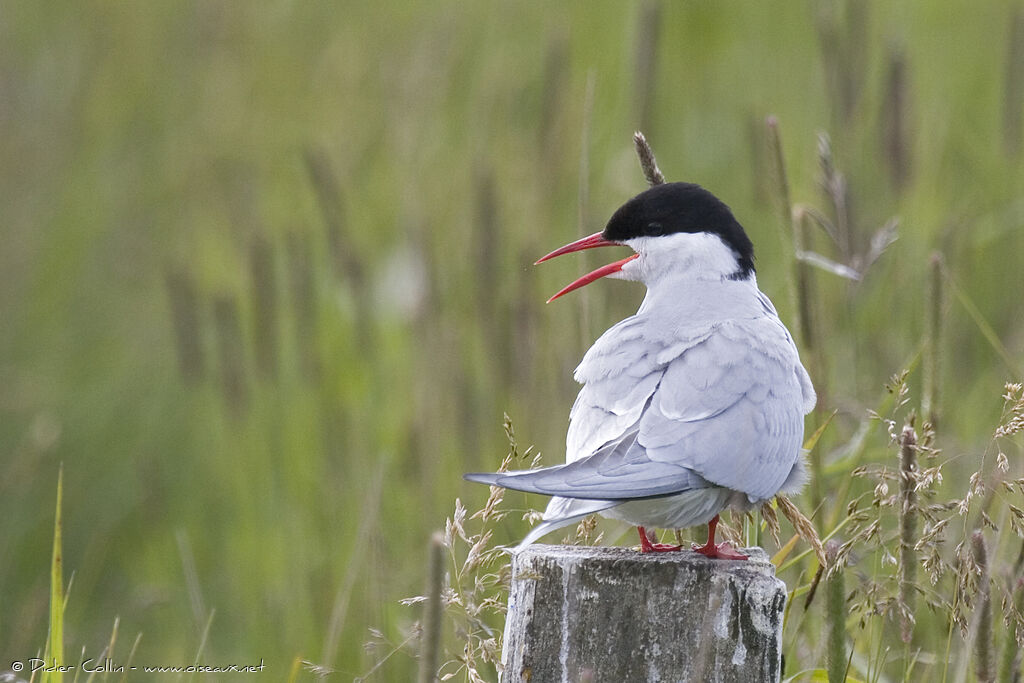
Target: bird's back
718, 389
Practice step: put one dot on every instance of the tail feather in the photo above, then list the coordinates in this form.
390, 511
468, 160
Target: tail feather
598, 477
489, 478
545, 528
563, 512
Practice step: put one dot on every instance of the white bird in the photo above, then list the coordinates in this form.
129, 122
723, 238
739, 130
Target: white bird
694, 404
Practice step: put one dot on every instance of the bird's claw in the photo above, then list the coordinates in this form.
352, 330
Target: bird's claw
659, 547
719, 551
648, 545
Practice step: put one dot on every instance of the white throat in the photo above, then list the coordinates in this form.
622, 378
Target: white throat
682, 256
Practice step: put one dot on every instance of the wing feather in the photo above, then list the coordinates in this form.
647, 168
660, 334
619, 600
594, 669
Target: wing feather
724, 401
619, 471
730, 409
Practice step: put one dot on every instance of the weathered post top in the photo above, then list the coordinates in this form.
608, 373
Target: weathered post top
613, 615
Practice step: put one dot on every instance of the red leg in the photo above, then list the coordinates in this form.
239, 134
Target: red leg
647, 544
721, 551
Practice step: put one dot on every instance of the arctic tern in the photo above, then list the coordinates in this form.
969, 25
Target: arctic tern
694, 404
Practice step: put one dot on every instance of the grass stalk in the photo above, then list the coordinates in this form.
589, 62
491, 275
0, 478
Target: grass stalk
107, 652
894, 118
777, 164
983, 325
1013, 92
830, 41
295, 670
328, 194
1010, 659
191, 574
933, 338
348, 264
494, 322
186, 321
835, 616
804, 277
984, 646
646, 62
368, 523
556, 84
264, 305
778, 169
833, 183
203, 640
907, 567
430, 643
303, 301
54, 651
808, 335
583, 199
131, 657
648, 164
487, 234
842, 35
230, 344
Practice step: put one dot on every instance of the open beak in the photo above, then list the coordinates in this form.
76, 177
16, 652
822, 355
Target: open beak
591, 242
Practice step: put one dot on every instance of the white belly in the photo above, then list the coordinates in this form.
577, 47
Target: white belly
681, 511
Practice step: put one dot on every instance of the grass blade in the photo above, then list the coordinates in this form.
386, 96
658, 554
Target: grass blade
984, 327
54, 653
430, 645
293, 673
816, 436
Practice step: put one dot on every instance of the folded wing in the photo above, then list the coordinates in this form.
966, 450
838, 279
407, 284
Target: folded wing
724, 403
618, 471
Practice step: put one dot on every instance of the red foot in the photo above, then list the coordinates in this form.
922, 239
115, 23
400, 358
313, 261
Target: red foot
719, 551
715, 551
649, 546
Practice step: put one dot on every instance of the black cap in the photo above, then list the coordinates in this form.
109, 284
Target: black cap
681, 207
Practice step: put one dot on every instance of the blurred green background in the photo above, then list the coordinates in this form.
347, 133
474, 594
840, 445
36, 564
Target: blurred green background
267, 286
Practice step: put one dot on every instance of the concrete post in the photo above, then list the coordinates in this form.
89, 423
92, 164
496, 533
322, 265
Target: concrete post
613, 615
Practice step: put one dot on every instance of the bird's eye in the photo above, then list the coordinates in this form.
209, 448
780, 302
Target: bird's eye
655, 229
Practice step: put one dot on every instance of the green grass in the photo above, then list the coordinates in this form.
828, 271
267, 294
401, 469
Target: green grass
53, 655
267, 292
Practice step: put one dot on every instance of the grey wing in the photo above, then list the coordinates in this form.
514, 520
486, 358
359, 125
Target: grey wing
620, 470
731, 409
619, 373
724, 402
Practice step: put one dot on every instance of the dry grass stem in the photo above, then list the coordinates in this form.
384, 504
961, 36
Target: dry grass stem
772, 521
804, 527
906, 571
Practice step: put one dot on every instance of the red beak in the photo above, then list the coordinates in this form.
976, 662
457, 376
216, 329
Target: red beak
591, 242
